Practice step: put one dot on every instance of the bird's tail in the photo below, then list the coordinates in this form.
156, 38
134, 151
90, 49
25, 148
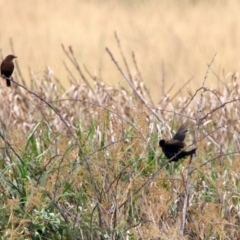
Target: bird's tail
191, 152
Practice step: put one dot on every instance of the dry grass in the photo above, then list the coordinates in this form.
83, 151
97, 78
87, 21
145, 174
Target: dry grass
84, 163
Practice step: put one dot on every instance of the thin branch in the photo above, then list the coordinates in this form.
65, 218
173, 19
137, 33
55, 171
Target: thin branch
199, 111
133, 87
123, 57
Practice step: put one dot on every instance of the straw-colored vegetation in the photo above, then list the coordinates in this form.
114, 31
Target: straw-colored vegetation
83, 162
89, 167
177, 36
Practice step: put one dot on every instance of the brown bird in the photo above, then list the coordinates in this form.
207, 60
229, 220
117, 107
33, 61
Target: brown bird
7, 68
175, 146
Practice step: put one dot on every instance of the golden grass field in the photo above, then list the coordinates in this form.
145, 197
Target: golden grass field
183, 34
83, 161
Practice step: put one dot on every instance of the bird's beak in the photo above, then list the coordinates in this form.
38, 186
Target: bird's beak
15, 56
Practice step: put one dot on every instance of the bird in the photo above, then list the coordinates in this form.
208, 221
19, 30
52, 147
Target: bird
176, 145
7, 68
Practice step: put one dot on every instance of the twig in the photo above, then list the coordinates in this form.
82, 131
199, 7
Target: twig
215, 109
180, 89
123, 57
74, 61
139, 73
133, 88
199, 111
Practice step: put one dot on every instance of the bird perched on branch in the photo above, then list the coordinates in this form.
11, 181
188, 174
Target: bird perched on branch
176, 145
7, 68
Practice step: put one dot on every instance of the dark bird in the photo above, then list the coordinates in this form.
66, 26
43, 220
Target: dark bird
7, 68
175, 146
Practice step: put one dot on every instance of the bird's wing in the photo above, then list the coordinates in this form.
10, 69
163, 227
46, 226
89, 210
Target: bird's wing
181, 133
2, 64
175, 144
172, 148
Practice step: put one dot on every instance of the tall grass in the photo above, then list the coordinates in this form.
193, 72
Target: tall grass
84, 162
